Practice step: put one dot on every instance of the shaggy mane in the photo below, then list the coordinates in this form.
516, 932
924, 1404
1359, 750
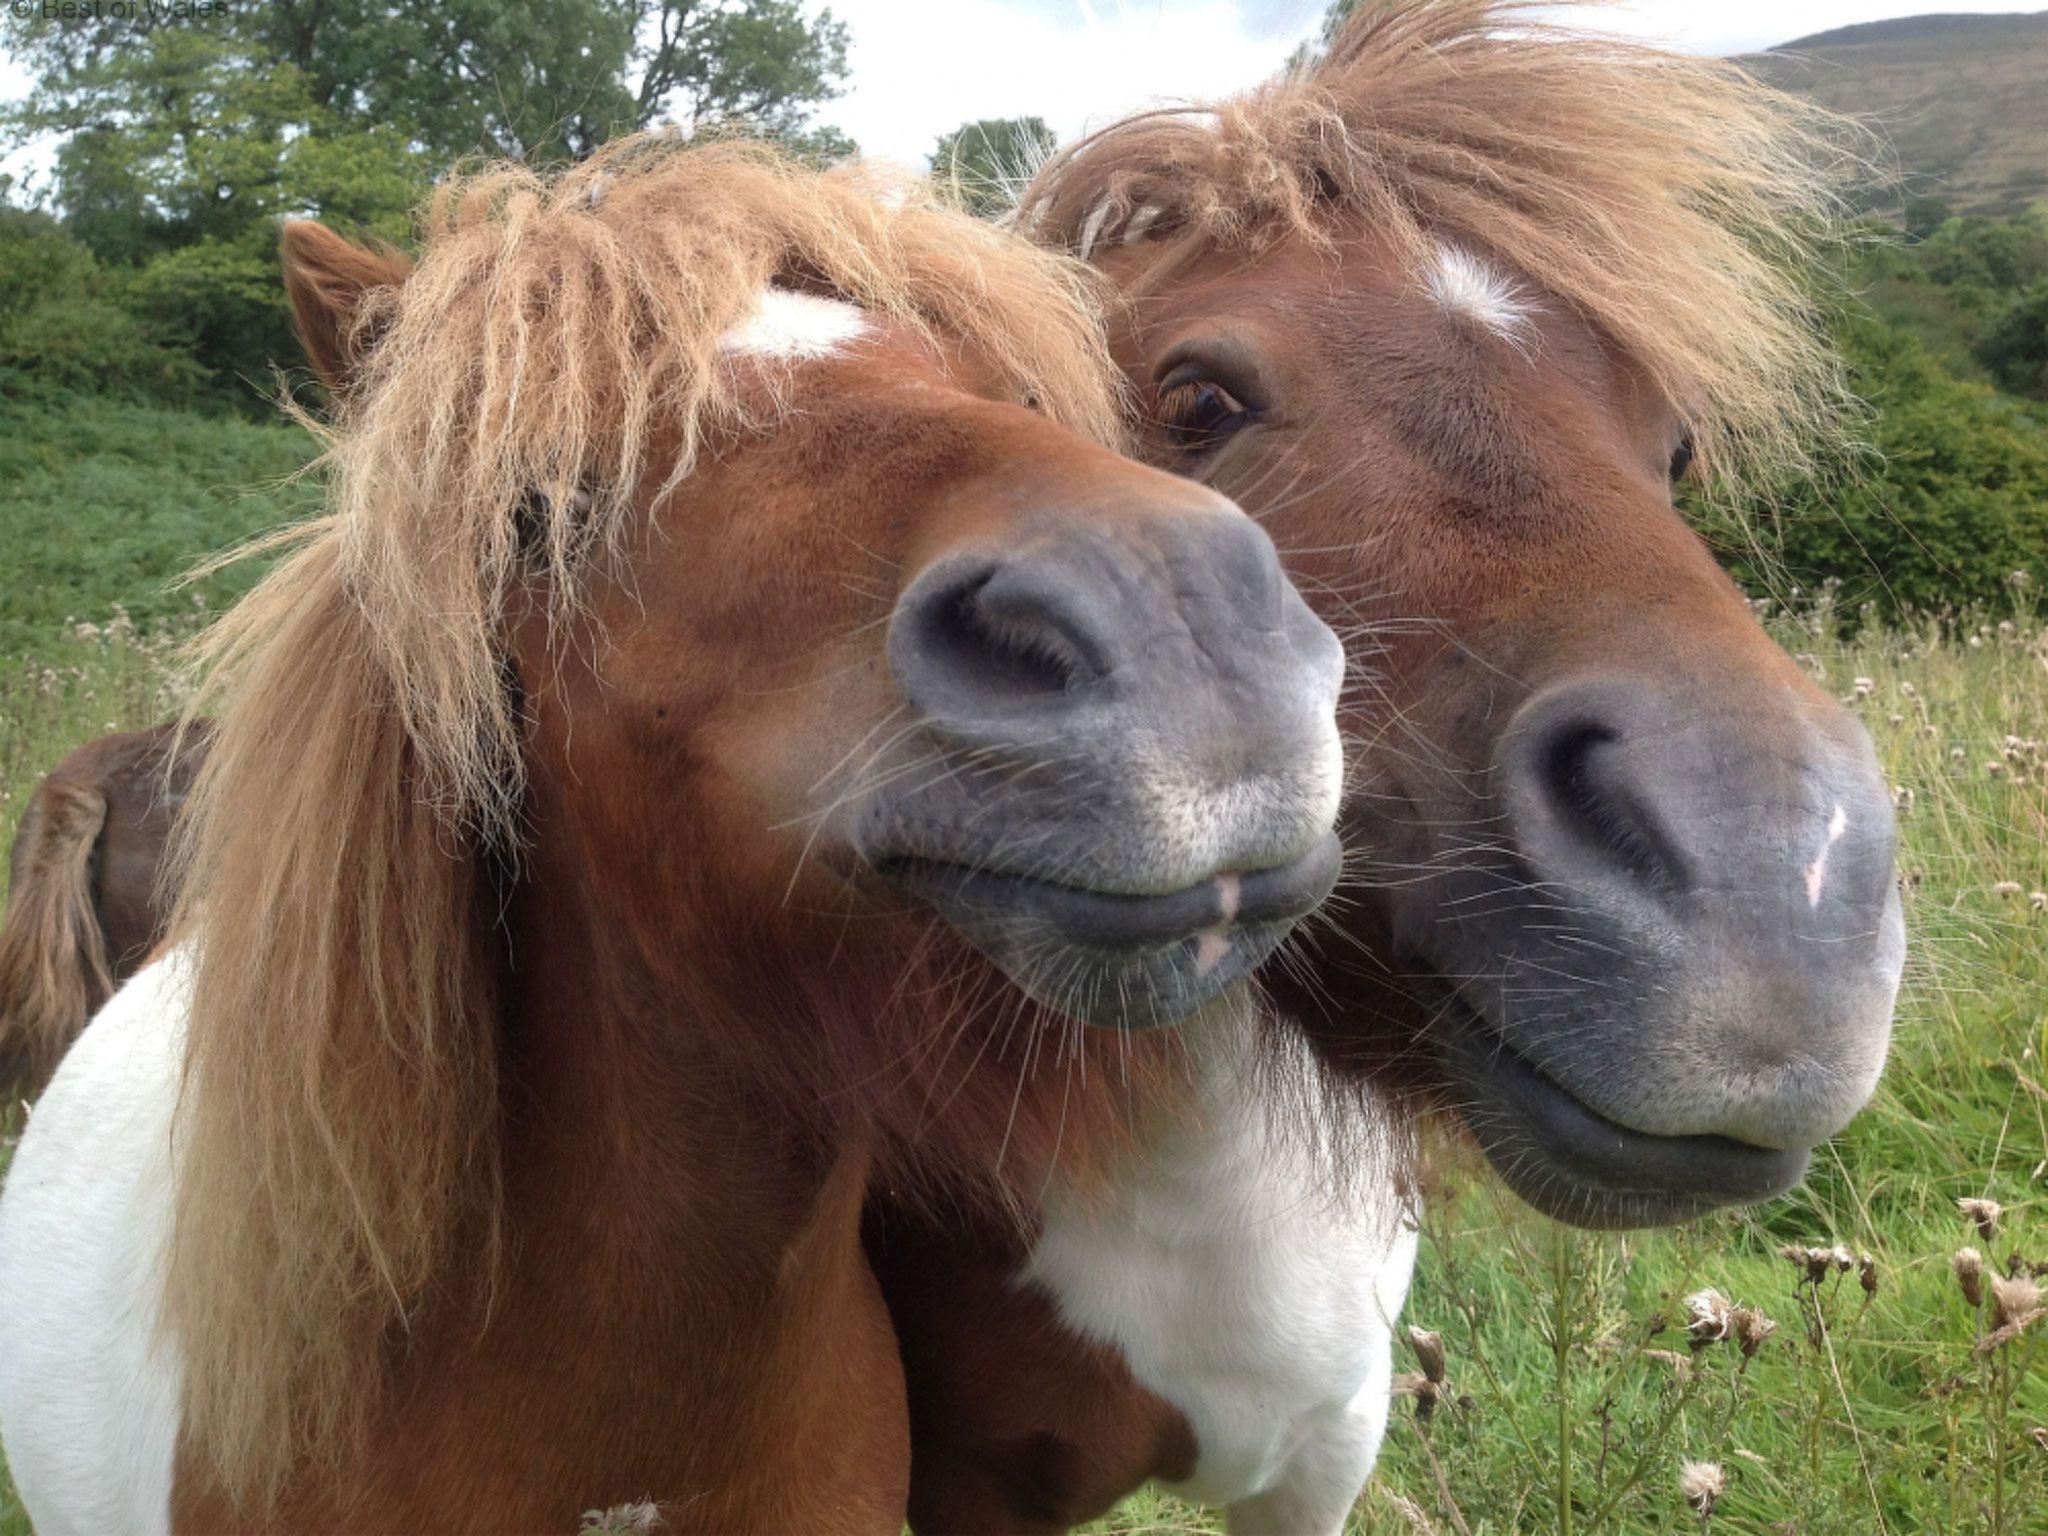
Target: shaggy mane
338, 1132
1671, 200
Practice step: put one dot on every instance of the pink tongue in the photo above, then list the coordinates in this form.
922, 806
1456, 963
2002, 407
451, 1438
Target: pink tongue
1213, 944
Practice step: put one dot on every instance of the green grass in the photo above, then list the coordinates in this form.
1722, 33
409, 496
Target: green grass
1860, 1414
103, 503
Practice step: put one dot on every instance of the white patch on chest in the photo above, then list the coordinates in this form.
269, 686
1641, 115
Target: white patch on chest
89, 1386
1817, 871
1472, 289
1248, 1286
795, 326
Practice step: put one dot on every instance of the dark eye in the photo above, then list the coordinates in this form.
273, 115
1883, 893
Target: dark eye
1681, 458
1200, 414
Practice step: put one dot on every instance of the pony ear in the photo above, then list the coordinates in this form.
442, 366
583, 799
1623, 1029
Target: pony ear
330, 280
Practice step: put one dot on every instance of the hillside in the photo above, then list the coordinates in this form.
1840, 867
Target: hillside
106, 503
1962, 100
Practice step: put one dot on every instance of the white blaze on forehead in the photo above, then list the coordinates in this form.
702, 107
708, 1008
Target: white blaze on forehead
794, 325
1476, 290
1817, 871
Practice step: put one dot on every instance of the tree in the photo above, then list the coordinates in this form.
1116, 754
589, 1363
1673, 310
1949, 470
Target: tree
184, 139
2014, 346
534, 79
982, 164
1924, 215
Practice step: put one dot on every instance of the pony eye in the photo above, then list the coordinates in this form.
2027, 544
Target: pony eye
1681, 458
1200, 415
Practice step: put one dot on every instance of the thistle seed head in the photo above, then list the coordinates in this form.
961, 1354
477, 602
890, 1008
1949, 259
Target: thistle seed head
1702, 1483
1968, 1264
1752, 1328
1985, 1213
1710, 1318
1428, 1345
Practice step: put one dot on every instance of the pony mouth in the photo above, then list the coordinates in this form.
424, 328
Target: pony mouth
1117, 959
1569, 1161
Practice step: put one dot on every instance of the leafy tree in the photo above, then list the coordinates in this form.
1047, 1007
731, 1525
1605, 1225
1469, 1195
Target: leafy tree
63, 329
2014, 347
185, 139
1949, 497
981, 164
1924, 215
528, 78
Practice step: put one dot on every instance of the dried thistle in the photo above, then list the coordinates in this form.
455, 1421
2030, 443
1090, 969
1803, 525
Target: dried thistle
2015, 1301
1968, 1264
1866, 1273
2039, 1435
1711, 1318
1815, 1261
1428, 1345
1702, 1483
1751, 1329
1427, 1394
1985, 1213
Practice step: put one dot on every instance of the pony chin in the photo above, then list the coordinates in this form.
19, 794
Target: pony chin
1122, 961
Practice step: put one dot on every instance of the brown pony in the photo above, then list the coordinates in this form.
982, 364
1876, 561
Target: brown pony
1450, 313
82, 908
700, 608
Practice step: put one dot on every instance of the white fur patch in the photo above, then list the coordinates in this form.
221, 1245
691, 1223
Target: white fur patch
1475, 290
89, 1386
1250, 1285
795, 326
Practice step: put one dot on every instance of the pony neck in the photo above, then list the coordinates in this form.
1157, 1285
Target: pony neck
656, 1094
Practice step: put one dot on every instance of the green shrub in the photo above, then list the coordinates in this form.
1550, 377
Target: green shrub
1946, 499
64, 329
2014, 346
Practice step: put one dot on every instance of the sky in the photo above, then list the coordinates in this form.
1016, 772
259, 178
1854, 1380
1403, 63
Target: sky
921, 67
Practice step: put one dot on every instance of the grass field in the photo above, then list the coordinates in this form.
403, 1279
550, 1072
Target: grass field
104, 503
1574, 1393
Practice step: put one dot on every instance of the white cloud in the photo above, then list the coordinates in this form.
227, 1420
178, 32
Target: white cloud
921, 70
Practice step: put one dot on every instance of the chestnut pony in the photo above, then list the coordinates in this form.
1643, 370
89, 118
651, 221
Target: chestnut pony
711, 691
1450, 313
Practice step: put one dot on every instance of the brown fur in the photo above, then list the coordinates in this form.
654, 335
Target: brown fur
522, 1149
53, 957
1668, 200
81, 910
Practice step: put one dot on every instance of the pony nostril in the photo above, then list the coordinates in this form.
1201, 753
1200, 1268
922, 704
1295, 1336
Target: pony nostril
979, 642
1583, 776
1013, 652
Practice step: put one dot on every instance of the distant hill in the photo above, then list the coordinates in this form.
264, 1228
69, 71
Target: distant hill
1962, 100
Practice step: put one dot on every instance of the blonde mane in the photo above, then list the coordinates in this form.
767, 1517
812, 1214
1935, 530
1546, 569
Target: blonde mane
1672, 201
338, 1135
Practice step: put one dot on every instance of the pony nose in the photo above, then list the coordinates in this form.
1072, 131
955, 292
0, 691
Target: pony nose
1753, 851
1087, 624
